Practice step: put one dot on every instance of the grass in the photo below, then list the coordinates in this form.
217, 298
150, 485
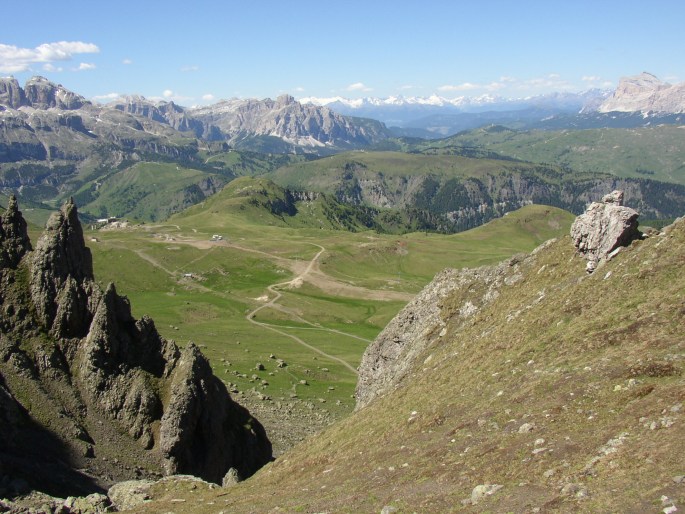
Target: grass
146, 190
648, 152
149, 263
594, 368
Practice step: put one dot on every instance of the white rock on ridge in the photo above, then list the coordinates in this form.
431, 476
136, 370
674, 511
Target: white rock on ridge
604, 227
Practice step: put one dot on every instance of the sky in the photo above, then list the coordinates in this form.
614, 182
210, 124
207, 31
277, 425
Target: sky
199, 52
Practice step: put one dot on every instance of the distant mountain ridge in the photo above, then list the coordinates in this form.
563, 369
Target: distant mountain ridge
281, 125
646, 93
405, 111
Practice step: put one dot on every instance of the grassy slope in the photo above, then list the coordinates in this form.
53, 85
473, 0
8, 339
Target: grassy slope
593, 363
146, 191
654, 152
324, 174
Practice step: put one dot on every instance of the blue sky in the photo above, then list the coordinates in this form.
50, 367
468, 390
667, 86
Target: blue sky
196, 52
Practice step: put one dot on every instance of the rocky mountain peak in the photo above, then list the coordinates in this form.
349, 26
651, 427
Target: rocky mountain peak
100, 382
284, 100
11, 94
60, 265
63, 247
44, 94
645, 93
14, 238
604, 227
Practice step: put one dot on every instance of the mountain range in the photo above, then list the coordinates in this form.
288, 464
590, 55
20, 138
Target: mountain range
403, 111
650, 99
54, 143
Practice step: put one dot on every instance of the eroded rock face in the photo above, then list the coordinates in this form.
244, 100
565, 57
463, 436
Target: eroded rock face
62, 275
423, 322
604, 226
11, 94
43, 94
106, 383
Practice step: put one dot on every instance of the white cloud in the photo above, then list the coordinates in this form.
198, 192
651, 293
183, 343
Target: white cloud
170, 96
299, 89
466, 86
48, 66
551, 82
358, 86
106, 97
127, 61
186, 69
208, 97
15, 60
590, 78
495, 86
85, 66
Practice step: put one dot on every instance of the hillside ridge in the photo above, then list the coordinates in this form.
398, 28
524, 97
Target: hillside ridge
550, 392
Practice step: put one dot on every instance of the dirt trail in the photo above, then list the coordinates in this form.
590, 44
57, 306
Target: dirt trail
311, 271
305, 271
271, 303
277, 296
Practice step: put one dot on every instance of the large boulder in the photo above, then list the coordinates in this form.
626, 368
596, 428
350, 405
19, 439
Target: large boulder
604, 227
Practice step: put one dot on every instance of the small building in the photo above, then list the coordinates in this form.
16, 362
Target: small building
111, 219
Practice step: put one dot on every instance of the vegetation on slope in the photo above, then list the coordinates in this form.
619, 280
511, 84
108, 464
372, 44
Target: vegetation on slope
567, 391
655, 153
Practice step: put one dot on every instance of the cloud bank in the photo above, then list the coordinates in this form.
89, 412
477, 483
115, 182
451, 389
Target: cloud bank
15, 60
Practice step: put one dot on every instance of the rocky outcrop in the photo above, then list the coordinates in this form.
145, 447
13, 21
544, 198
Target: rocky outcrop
604, 227
14, 237
43, 94
453, 295
61, 281
162, 112
645, 93
11, 94
110, 388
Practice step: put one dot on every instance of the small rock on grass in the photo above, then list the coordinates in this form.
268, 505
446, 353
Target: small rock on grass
481, 491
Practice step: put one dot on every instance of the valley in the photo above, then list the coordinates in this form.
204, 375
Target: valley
303, 303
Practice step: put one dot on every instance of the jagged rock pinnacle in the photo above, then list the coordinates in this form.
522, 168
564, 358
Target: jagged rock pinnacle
101, 380
60, 265
14, 238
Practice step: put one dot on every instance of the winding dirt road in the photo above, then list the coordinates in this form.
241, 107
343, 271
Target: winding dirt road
277, 296
310, 273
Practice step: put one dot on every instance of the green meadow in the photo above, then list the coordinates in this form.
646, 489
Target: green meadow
308, 342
